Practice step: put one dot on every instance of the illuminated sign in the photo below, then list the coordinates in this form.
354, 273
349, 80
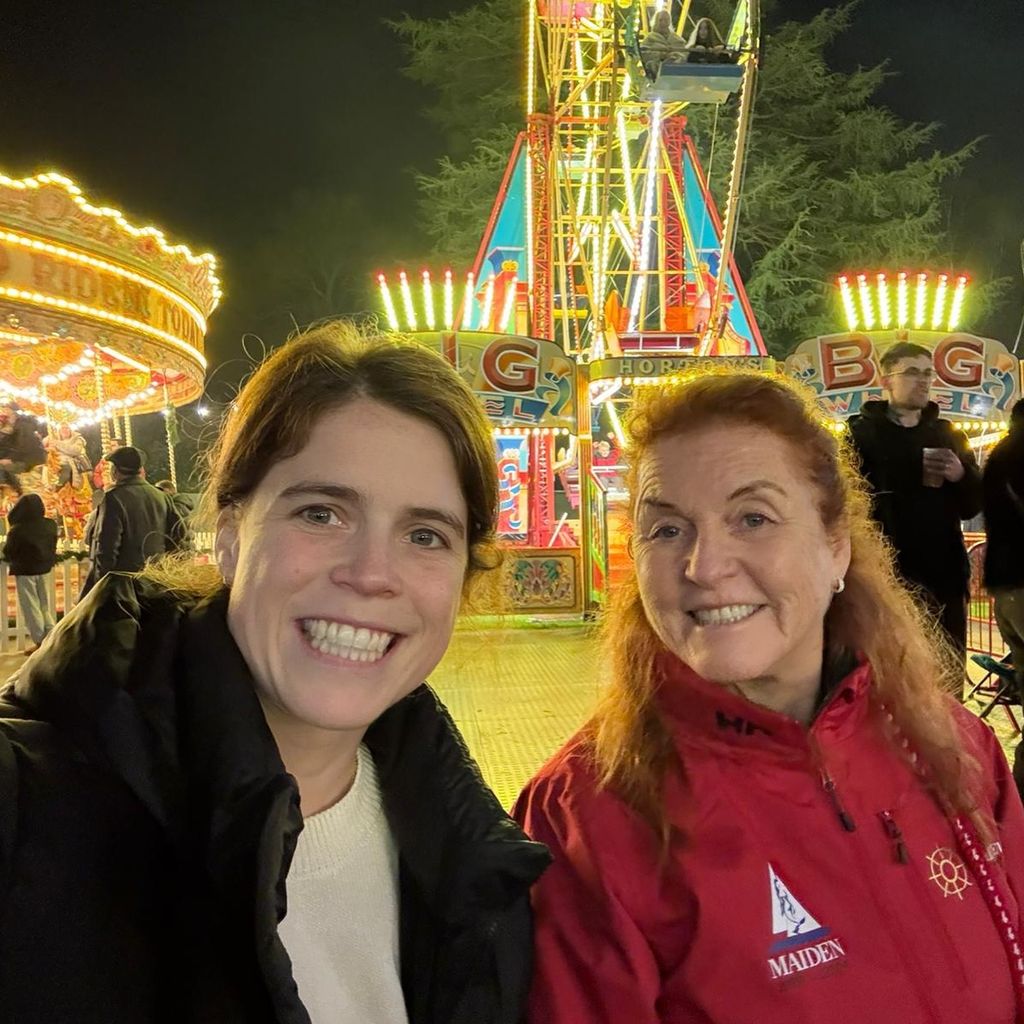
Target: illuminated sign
521, 382
93, 288
975, 378
649, 366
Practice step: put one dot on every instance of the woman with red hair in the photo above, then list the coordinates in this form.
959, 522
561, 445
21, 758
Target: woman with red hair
778, 813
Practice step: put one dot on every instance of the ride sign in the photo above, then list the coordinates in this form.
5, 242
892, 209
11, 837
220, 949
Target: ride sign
975, 378
520, 381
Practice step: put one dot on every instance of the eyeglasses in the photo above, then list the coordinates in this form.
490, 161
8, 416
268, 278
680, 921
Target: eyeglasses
914, 374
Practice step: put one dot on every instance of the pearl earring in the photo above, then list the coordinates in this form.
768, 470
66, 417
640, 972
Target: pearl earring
840, 585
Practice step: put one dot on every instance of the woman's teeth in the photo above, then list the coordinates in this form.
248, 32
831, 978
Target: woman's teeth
343, 641
721, 616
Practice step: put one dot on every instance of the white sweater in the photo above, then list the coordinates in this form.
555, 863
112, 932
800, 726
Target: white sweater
341, 930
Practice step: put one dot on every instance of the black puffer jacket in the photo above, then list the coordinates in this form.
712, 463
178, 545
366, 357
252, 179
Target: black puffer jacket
1004, 512
31, 545
923, 523
147, 825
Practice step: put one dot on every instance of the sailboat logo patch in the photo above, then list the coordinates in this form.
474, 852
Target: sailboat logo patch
801, 941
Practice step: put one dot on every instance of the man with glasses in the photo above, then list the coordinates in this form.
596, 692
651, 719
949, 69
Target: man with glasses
924, 480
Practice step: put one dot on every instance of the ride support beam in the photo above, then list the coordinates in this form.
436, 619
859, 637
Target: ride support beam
539, 129
673, 129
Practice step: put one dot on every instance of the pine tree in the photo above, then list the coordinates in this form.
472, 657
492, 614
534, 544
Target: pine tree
832, 181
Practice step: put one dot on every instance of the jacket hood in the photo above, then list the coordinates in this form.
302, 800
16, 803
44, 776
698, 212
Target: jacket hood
153, 685
878, 409
27, 508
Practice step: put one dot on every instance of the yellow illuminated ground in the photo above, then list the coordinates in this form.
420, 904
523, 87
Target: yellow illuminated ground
517, 695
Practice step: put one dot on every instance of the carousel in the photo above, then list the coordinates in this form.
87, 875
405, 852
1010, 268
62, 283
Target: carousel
100, 321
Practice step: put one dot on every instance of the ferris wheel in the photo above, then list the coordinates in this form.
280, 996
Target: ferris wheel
626, 247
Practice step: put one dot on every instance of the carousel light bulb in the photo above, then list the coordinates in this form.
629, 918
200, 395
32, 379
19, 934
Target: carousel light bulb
468, 302
958, 303
428, 301
939, 308
884, 310
410, 312
849, 306
866, 306
902, 304
449, 295
920, 299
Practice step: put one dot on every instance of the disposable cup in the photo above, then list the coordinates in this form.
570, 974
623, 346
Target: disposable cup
931, 477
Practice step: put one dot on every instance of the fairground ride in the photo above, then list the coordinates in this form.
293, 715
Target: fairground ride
606, 265
625, 246
100, 321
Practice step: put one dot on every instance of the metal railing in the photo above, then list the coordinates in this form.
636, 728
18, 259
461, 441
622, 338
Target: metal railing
983, 636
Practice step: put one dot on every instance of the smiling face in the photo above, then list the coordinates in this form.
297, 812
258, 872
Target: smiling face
346, 567
909, 382
736, 570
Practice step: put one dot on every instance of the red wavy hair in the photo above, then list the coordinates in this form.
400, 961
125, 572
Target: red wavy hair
913, 666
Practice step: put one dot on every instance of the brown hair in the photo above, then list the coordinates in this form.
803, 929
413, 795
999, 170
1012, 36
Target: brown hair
913, 666
314, 373
902, 350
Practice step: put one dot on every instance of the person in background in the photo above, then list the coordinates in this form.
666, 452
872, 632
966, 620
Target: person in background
662, 43
778, 812
72, 457
103, 471
185, 510
31, 551
924, 480
21, 448
1003, 488
135, 522
236, 800
706, 45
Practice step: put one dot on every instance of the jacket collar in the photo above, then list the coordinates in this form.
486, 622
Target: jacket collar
154, 687
877, 410
706, 715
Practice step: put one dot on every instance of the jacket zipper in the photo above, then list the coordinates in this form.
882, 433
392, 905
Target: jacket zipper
892, 830
844, 816
901, 939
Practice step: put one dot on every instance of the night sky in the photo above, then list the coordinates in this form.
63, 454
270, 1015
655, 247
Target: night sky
212, 119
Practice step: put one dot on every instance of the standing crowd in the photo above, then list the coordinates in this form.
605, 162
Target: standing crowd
131, 521
227, 793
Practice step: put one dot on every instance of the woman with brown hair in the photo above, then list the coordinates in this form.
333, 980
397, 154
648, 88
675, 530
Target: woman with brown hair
777, 813
225, 794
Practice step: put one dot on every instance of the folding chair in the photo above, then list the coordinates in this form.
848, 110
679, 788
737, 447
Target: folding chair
999, 684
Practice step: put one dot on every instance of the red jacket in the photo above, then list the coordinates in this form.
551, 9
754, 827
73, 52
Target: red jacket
774, 910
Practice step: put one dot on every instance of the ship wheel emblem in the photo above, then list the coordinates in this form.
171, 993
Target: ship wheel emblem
948, 872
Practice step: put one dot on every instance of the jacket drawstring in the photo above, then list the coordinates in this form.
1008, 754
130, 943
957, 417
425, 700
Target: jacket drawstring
845, 818
893, 831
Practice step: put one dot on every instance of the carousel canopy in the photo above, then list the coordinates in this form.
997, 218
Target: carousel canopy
97, 316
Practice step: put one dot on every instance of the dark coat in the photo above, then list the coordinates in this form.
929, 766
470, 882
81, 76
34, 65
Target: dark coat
147, 825
1003, 484
22, 445
134, 523
31, 545
923, 523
